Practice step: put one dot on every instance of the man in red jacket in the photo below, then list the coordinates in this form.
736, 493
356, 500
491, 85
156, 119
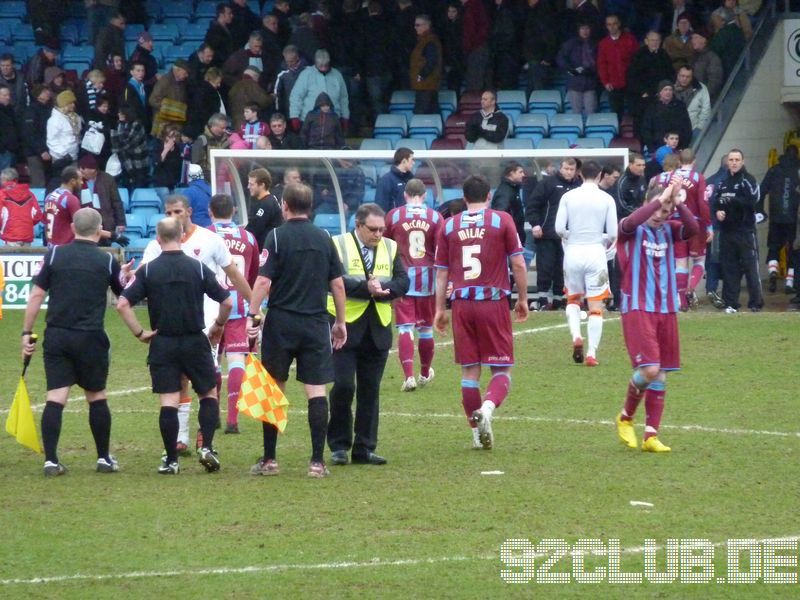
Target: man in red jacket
614, 54
19, 210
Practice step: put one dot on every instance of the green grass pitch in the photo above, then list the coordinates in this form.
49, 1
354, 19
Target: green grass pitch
429, 524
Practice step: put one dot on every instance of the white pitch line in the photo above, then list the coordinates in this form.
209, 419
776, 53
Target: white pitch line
376, 562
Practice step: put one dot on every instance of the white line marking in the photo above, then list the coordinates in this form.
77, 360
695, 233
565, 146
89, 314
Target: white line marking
376, 562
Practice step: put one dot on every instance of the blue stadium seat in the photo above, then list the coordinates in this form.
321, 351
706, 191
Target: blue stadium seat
146, 198
13, 9
448, 102
512, 102
402, 101
195, 32
77, 54
165, 32
154, 8
369, 195
179, 22
375, 144
370, 173
566, 125
390, 127
22, 51
5, 32
135, 226
329, 222
427, 127
40, 195
552, 144
138, 244
125, 197
22, 33
173, 53
518, 144
132, 31
414, 144
602, 125
152, 222
535, 123
69, 33
177, 8
589, 142
545, 101
204, 12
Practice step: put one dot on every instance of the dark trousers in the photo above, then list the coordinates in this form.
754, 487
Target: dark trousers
616, 100
738, 252
778, 235
549, 267
426, 102
357, 371
614, 277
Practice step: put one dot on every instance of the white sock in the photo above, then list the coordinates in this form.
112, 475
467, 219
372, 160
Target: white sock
476, 438
487, 408
772, 266
594, 330
574, 320
183, 422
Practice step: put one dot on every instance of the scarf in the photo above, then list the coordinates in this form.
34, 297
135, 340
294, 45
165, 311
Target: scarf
74, 122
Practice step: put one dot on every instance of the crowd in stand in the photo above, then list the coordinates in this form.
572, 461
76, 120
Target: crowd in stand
308, 73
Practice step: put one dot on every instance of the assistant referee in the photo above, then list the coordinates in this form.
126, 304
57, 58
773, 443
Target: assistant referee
302, 266
77, 276
174, 285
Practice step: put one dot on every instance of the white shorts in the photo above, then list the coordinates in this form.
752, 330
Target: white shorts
586, 271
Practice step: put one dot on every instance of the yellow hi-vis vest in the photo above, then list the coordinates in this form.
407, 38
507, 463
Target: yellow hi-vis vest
350, 254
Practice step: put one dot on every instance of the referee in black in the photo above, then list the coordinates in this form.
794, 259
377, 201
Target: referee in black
302, 266
77, 276
174, 285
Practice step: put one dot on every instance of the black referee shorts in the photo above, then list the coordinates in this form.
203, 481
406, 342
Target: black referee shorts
287, 337
173, 356
72, 356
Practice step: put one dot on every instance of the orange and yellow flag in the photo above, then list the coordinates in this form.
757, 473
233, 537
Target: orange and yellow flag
260, 396
20, 419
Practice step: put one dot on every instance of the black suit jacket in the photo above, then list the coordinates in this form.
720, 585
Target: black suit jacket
369, 321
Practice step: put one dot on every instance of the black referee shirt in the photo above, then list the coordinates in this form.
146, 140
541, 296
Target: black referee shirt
174, 285
301, 262
265, 215
78, 275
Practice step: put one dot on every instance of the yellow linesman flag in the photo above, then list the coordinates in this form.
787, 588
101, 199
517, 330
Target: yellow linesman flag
20, 422
260, 396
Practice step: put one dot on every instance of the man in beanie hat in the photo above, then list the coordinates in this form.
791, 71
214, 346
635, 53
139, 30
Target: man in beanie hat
99, 190
143, 54
63, 133
665, 114
199, 195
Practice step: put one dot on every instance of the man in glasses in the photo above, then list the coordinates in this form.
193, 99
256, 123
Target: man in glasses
373, 276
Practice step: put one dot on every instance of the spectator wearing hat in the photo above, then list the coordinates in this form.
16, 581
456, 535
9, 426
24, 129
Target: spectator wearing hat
169, 97
578, 57
34, 135
116, 73
665, 114
63, 133
110, 41
199, 195
99, 190
679, 43
54, 79
215, 135
35, 67
247, 91
143, 54
707, 65
321, 129
9, 140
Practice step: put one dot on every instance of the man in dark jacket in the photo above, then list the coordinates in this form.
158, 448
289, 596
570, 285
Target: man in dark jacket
425, 67
219, 36
110, 41
100, 191
34, 136
321, 129
780, 184
508, 198
265, 210
540, 212
539, 44
12, 78
244, 22
280, 138
9, 140
391, 185
143, 54
488, 127
664, 115
735, 203
631, 187
650, 65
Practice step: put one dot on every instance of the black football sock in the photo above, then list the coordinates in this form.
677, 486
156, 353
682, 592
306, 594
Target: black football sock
318, 423
100, 424
270, 440
208, 416
168, 422
51, 430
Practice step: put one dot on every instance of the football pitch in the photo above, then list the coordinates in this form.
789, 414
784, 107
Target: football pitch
432, 523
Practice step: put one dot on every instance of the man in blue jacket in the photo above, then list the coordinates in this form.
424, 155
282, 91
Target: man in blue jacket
391, 185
